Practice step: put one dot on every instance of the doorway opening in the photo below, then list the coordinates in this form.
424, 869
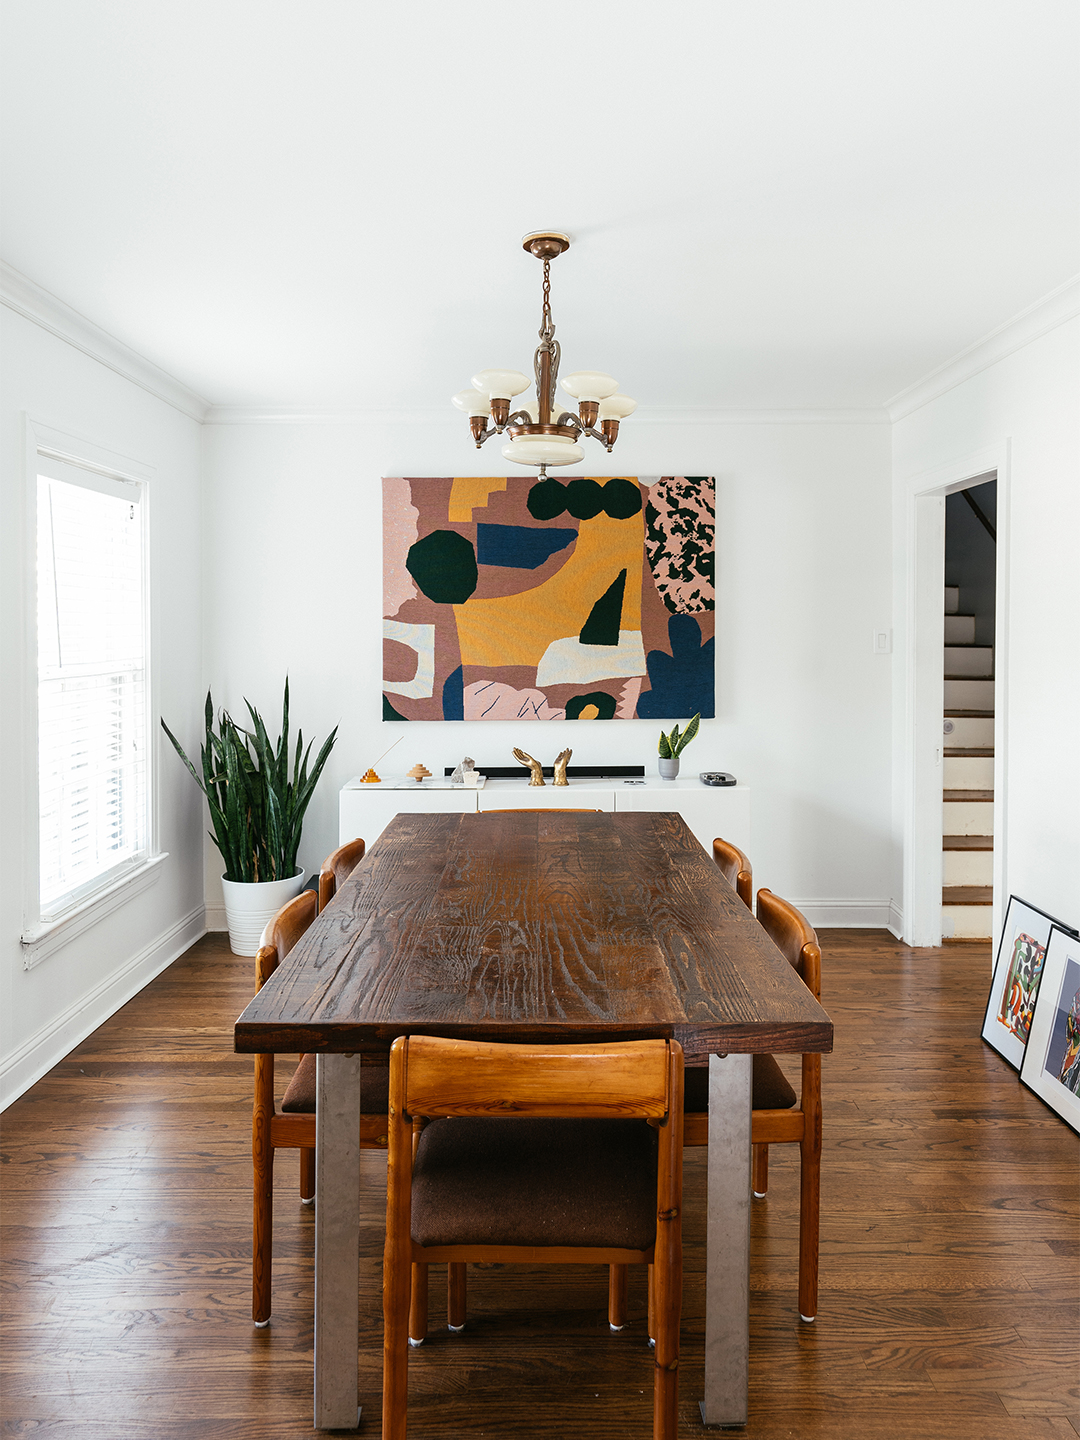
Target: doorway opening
968, 750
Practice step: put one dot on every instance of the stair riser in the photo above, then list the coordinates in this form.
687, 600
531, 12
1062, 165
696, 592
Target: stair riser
968, 772
966, 922
969, 660
967, 867
969, 694
968, 817
967, 732
952, 599
959, 629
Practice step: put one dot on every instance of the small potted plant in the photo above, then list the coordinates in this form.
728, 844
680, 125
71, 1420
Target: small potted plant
671, 747
257, 802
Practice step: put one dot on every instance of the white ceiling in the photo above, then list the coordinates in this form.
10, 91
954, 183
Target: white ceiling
774, 203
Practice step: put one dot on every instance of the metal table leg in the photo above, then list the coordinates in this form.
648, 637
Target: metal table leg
727, 1279
337, 1240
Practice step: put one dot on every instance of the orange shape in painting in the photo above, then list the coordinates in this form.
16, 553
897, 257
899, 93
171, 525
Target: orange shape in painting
517, 629
468, 491
588, 712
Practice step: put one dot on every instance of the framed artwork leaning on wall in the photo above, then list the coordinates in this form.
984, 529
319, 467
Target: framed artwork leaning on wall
1017, 972
1051, 1065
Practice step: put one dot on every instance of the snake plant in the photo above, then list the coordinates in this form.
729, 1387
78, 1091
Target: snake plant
257, 797
671, 746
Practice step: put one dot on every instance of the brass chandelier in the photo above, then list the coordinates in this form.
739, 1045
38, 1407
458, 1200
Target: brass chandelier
544, 431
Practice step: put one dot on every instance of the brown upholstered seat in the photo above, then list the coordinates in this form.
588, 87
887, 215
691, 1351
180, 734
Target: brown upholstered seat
772, 1090
299, 1097
521, 1182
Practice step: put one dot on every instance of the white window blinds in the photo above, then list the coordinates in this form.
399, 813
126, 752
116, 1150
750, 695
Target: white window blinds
92, 745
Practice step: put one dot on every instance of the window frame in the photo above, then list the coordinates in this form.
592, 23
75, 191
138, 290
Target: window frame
42, 937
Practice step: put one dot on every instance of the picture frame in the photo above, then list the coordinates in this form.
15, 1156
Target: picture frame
1017, 971
1051, 1067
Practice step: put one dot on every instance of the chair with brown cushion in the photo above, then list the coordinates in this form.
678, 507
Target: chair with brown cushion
780, 1117
336, 869
586, 1168
736, 870
292, 1127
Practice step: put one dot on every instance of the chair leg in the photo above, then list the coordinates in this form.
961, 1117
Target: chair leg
652, 1304
418, 1305
616, 1306
307, 1176
456, 1293
262, 1236
809, 1224
760, 1182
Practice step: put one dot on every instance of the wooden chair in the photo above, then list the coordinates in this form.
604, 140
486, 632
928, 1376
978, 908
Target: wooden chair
292, 1127
572, 1174
779, 1116
336, 869
736, 870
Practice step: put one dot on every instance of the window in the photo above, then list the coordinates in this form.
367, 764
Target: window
93, 775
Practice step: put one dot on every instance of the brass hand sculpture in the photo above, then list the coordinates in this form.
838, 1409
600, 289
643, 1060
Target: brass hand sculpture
560, 766
534, 766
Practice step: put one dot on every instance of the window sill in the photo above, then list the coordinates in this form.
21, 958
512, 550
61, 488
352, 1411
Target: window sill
41, 941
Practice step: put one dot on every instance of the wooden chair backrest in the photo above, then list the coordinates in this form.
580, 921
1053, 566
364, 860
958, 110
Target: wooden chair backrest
282, 933
336, 869
792, 934
736, 870
437, 1077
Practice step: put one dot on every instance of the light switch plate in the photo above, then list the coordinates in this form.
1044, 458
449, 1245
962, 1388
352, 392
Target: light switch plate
882, 642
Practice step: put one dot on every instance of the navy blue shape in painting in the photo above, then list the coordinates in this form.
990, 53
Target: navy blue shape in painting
683, 682
453, 695
519, 547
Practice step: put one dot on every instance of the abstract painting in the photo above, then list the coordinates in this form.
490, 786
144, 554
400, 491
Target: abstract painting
544, 599
1017, 973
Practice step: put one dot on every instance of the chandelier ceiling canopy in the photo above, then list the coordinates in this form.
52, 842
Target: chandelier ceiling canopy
544, 431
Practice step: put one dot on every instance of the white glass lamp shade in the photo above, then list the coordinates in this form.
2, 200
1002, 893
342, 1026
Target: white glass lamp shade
616, 407
473, 402
501, 384
588, 385
543, 450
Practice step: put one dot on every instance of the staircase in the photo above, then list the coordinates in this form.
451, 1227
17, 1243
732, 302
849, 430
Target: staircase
968, 809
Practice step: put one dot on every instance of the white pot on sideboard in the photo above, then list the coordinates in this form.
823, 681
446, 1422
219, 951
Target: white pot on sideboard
249, 908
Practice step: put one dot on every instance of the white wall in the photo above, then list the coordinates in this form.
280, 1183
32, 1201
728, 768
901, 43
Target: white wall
292, 561
47, 1010
1025, 408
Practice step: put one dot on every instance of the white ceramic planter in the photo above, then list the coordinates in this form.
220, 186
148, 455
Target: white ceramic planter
669, 769
250, 908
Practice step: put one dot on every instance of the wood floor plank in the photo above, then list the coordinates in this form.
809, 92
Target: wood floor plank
948, 1257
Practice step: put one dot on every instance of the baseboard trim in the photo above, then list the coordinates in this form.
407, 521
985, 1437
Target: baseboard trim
846, 914
215, 918
895, 924
36, 1056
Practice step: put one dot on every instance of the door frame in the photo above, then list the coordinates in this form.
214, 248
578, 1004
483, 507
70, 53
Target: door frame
924, 687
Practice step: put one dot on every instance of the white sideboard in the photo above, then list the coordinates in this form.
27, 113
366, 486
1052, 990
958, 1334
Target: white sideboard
709, 810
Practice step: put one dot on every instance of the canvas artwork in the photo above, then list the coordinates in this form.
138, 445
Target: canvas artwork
1017, 973
545, 599
1051, 1065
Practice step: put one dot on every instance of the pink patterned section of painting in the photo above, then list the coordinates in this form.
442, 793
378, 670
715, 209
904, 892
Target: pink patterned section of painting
680, 531
400, 517
492, 700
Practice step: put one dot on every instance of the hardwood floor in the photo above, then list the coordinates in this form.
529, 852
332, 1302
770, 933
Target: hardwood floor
949, 1272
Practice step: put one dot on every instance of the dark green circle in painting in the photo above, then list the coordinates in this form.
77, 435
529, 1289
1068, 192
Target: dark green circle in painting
604, 703
584, 499
443, 564
622, 498
547, 498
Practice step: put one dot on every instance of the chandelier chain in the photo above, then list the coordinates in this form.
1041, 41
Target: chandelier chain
547, 326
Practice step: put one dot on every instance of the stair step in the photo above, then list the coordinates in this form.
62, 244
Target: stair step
968, 692
964, 818
969, 661
968, 773
977, 795
952, 599
966, 922
968, 752
967, 842
953, 714
967, 895
959, 629
966, 867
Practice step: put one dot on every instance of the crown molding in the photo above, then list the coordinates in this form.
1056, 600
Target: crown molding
443, 415
31, 301
1038, 319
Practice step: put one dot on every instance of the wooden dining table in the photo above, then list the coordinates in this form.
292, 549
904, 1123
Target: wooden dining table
520, 926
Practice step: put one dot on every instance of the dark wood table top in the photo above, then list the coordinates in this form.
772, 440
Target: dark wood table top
518, 926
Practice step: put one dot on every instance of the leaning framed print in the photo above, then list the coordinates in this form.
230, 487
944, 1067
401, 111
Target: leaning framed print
1052, 1058
1015, 985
